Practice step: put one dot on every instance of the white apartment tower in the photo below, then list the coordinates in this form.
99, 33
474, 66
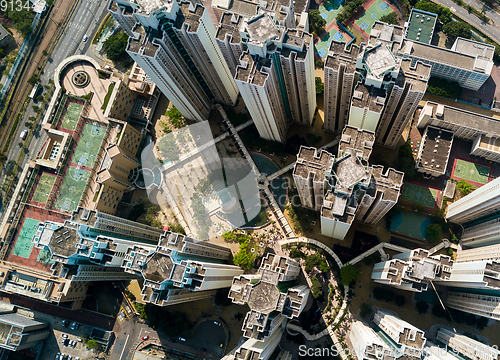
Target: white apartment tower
340, 77
475, 275
410, 339
483, 253
471, 348
367, 344
477, 304
276, 75
174, 43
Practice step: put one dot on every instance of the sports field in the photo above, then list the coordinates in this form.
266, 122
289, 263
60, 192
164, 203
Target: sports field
23, 244
410, 224
43, 188
88, 144
73, 111
376, 10
419, 195
71, 189
329, 10
323, 45
470, 171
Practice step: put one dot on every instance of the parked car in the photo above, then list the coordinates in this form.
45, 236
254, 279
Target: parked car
58, 355
79, 339
217, 323
182, 339
73, 343
65, 336
65, 323
145, 337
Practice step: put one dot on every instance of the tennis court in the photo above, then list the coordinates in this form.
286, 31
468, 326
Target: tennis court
410, 224
43, 188
329, 10
88, 144
376, 10
323, 45
470, 171
419, 195
73, 111
71, 189
23, 244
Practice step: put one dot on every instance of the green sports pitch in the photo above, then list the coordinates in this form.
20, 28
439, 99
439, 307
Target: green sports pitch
43, 188
70, 119
376, 10
88, 144
71, 189
471, 171
419, 195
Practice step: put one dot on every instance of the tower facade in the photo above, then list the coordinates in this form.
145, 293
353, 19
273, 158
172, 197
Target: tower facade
174, 43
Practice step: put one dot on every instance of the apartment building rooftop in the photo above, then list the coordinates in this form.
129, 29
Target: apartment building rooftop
379, 60
261, 28
387, 34
389, 183
189, 16
159, 267
421, 25
152, 5
349, 171
443, 55
357, 139
370, 97
339, 55
229, 25
314, 162
452, 116
417, 75
338, 206
243, 7
435, 150
400, 331
249, 70
474, 48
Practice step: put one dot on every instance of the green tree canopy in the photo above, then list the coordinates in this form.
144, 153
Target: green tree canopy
391, 18
316, 289
464, 187
320, 87
455, 29
433, 232
115, 46
316, 22
22, 19
348, 274
244, 258
175, 117
92, 344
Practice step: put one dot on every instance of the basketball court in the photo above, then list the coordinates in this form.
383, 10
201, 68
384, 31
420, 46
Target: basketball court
376, 10
43, 188
71, 189
323, 45
23, 244
72, 114
469, 171
410, 224
330, 9
88, 144
419, 195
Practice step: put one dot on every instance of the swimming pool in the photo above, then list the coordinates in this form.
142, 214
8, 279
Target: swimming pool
279, 186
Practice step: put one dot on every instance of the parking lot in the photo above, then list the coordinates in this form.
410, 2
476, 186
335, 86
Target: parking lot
65, 340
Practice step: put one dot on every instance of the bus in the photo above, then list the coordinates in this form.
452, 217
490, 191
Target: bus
35, 90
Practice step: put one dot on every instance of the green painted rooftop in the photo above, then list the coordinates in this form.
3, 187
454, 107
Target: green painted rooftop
421, 26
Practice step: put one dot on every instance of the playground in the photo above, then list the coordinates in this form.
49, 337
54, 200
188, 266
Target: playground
23, 244
323, 45
72, 114
469, 171
420, 195
376, 10
43, 188
88, 144
410, 224
329, 10
71, 189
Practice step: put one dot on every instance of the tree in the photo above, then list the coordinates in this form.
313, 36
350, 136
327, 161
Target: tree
348, 274
391, 18
320, 64
320, 87
44, 52
400, 300
93, 345
364, 310
22, 19
406, 161
441, 87
454, 239
115, 46
464, 187
455, 29
422, 307
175, 117
33, 79
316, 289
244, 258
316, 22
433, 232
176, 228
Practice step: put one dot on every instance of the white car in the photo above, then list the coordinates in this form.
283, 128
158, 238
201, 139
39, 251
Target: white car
217, 323
182, 339
85, 38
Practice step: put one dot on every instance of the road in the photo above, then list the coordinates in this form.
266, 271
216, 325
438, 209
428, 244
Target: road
85, 20
491, 30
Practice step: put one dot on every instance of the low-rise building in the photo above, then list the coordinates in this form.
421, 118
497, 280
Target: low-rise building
434, 151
